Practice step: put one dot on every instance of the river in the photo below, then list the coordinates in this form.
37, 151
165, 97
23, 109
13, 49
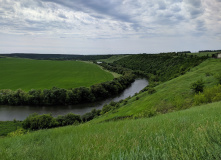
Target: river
9, 113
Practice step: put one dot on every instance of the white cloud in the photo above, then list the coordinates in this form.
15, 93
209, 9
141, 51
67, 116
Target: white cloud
140, 20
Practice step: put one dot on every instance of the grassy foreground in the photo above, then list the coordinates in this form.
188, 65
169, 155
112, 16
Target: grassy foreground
190, 134
30, 74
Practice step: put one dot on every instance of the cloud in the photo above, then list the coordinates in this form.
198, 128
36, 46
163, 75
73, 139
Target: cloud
110, 19
111, 8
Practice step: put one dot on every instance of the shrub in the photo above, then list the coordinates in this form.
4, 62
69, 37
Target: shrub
35, 122
151, 90
197, 86
91, 115
70, 118
209, 95
18, 132
218, 77
106, 109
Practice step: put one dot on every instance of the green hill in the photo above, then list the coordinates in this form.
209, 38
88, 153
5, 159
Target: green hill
30, 74
190, 134
172, 95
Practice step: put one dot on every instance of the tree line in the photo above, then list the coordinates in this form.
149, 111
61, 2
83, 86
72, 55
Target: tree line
60, 96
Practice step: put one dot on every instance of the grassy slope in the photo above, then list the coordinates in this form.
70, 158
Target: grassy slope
175, 92
190, 134
113, 58
8, 126
40, 74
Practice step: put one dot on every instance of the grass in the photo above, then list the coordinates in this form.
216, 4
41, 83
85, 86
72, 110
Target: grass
190, 134
171, 95
113, 58
30, 74
8, 126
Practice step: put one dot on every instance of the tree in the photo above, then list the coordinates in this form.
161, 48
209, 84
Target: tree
197, 86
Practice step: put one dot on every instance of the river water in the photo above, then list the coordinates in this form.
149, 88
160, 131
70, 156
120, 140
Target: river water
9, 113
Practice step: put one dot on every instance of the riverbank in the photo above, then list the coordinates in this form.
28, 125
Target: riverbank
9, 113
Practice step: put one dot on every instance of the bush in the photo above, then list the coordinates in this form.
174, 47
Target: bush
209, 95
151, 90
218, 77
70, 119
35, 122
106, 109
91, 115
197, 86
18, 132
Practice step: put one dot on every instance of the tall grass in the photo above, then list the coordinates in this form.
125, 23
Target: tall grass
190, 134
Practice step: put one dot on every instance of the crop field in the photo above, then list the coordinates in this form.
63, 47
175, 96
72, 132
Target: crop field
28, 74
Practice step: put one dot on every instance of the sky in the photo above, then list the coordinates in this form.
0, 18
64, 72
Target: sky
109, 26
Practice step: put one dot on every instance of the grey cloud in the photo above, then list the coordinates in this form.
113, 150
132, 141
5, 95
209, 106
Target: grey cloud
194, 7
109, 8
162, 5
62, 16
195, 3
200, 26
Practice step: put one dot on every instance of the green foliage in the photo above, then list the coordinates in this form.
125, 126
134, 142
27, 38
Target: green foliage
9, 126
59, 96
18, 132
36, 122
146, 114
90, 115
106, 108
71, 118
30, 74
218, 77
198, 86
208, 95
163, 67
45, 121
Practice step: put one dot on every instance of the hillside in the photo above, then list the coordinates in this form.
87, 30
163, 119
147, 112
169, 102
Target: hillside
163, 66
190, 134
30, 74
172, 95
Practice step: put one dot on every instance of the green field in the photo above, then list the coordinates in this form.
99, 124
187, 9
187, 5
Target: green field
191, 134
30, 74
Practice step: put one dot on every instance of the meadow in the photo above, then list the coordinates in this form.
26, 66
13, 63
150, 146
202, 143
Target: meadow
189, 134
27, 74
